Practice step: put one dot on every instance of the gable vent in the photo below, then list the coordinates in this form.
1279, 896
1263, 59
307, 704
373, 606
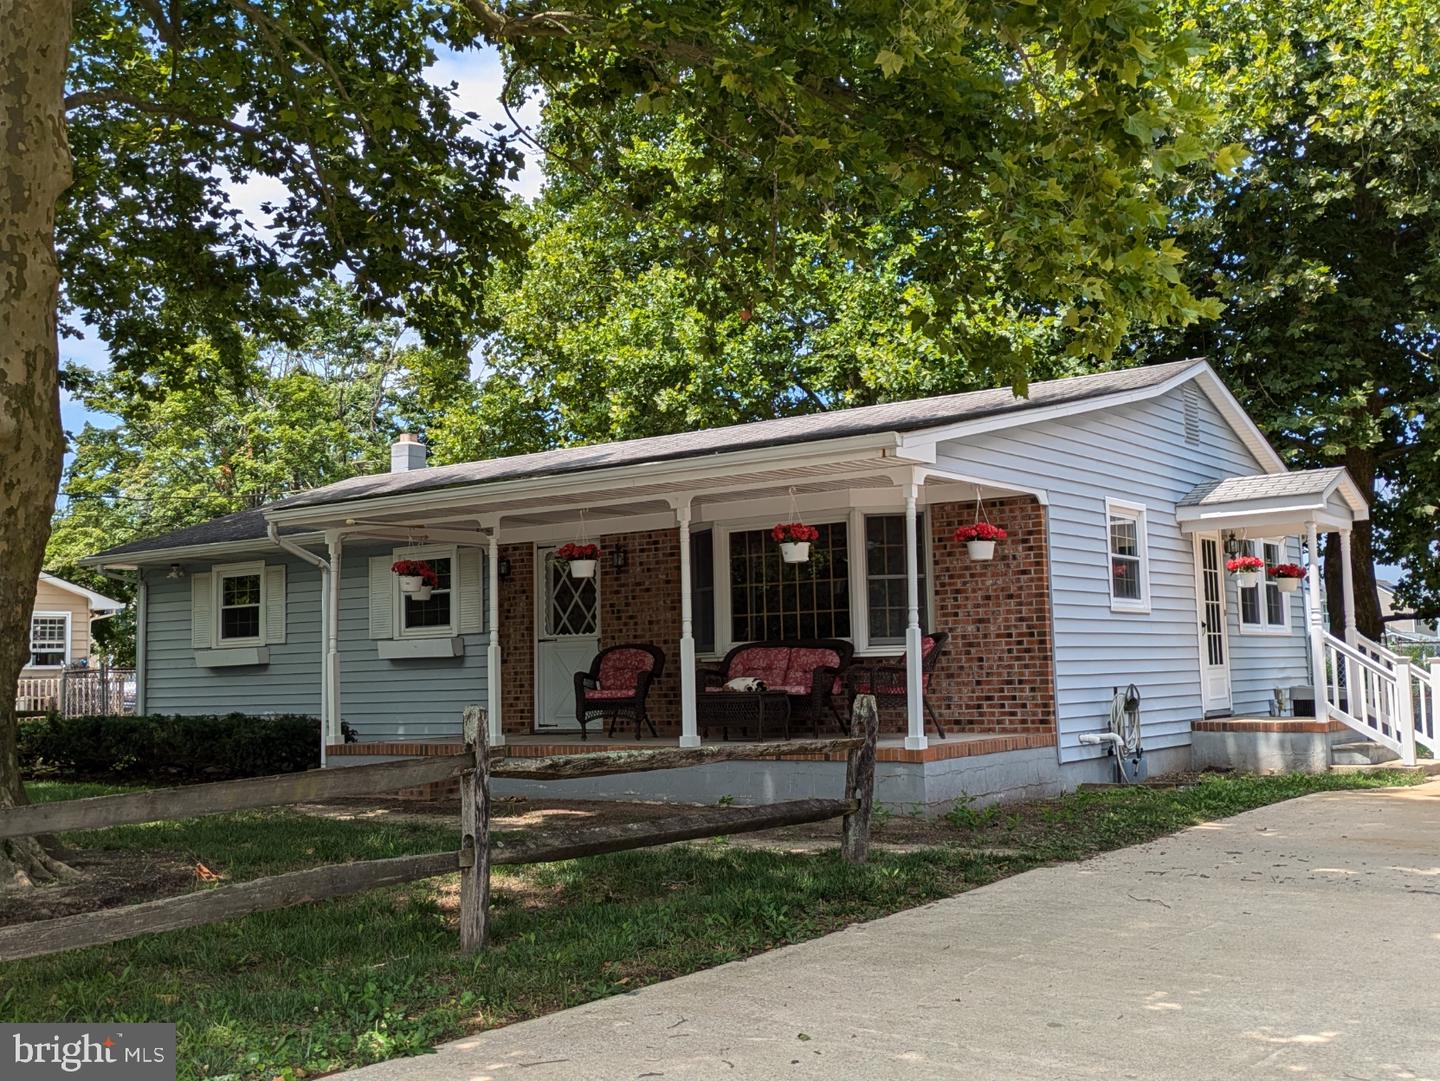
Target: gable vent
1191, 396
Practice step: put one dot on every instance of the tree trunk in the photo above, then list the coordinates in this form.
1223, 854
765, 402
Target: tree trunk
34, 171
1361, 465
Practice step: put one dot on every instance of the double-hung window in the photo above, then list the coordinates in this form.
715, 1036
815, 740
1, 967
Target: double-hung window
240, 595
886, 591
49, 639
1128, 557
434, 616
1263, 607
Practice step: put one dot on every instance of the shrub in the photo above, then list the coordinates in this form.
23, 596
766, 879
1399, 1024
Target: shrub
168, 749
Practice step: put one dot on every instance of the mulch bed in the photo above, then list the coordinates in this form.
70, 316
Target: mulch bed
109, 879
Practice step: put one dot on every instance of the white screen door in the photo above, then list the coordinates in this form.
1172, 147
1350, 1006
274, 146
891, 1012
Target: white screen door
567, 638
1214, 645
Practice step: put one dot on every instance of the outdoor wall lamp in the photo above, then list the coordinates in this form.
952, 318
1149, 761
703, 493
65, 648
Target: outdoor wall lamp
617, 559
1232, 544
502, 568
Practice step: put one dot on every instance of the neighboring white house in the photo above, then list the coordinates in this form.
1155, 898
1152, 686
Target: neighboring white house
1123, 495
1409, 625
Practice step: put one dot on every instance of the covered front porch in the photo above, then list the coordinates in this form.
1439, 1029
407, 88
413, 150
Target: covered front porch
686, 565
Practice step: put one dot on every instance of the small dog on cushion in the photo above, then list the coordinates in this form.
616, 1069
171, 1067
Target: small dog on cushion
745, 683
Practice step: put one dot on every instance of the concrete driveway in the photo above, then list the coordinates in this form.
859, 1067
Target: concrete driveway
1297, 941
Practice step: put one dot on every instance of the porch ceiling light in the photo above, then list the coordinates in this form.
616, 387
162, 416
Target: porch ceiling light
176, 571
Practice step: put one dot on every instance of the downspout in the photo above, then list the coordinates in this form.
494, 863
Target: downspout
273, 532
142, 609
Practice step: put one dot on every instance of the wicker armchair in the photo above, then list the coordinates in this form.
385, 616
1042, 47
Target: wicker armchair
887, 681
617, 683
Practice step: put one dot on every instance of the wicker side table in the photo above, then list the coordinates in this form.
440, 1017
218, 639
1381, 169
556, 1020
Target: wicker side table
742, 710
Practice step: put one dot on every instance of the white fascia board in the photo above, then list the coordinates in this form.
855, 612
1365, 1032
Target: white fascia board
1234, 413
98, 601
1350, 492
578, 485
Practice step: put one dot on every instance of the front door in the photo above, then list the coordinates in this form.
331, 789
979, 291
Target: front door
567, 638
1214, 645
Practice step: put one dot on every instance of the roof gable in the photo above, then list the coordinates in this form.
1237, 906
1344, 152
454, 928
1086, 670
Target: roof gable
98, 601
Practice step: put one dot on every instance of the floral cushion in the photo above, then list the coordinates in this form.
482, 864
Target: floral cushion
620, 671
800, 672
761, 662
603, 695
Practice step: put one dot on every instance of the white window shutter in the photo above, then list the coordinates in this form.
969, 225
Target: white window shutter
382, 598
471, 591
274, 604
202, 612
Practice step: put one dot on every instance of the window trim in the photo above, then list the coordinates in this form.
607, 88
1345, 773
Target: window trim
854, 519
218, 574
1139, 514
427, 552
1265, 627
30, 653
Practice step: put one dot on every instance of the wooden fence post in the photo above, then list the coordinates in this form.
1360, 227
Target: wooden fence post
860, 779
475, 835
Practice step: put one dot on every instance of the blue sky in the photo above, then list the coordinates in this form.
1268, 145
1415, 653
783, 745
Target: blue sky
477, 76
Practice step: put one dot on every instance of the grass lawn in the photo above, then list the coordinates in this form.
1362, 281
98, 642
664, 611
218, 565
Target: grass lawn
325, 986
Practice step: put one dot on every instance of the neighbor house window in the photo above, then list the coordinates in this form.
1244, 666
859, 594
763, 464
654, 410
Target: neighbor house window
434, 615
702, 590
885, 579
1128, 558
240, 591
771, 599
1262, 607
49, 640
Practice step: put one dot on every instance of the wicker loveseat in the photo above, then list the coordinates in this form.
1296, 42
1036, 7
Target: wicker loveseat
804, 669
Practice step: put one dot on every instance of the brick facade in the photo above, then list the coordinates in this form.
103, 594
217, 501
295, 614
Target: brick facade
997, 673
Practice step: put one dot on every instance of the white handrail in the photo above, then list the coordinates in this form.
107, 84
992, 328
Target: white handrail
1378, 699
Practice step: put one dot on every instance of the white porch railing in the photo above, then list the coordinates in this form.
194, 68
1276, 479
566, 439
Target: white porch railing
1373, 691
38, 694
1424, 689
79, 692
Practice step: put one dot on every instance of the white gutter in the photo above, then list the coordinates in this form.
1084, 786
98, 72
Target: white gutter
326, 578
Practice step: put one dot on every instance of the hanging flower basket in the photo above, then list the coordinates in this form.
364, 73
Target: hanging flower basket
1246, 570
415, 575
795, 539
1286, 576
979, 539
581, 559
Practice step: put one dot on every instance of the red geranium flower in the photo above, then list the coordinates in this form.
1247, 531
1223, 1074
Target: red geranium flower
1244, 564
794, 533
1287, 570
980, 531
577, 551
416, 568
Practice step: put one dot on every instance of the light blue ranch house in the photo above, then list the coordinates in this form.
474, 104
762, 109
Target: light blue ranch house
1109, 630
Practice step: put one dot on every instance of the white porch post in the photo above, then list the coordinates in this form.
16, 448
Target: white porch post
324, 663
689, 728
1316, 624
914, 704
333, 716
493, 688
1347, 586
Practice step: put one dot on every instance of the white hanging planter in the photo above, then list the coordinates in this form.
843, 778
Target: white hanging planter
980, 550
411, 583
795, 551
423, 593
1287, 585
583, 568
1247, 579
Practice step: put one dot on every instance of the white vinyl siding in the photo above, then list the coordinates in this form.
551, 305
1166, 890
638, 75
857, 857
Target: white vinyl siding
1136, 453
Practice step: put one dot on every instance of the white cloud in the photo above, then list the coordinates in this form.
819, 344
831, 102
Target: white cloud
479, 77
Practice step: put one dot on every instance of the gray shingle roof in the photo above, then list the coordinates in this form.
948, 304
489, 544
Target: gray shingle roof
1262, 486
907, 416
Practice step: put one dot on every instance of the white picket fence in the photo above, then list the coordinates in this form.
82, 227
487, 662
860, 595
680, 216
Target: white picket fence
79, 692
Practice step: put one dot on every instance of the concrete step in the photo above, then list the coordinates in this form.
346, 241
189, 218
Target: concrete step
1362, 752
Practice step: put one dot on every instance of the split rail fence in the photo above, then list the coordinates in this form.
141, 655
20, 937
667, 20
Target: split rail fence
473, 859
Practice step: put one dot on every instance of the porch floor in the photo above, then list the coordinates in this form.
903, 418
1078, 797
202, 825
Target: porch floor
890, 748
